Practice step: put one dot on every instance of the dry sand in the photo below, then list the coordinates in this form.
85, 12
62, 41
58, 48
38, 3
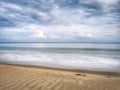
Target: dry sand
14, 77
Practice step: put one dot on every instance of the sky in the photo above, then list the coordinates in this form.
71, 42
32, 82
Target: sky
59, 20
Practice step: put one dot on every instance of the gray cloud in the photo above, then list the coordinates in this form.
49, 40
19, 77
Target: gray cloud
46, 18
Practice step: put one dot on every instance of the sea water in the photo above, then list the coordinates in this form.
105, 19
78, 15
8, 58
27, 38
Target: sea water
83, 56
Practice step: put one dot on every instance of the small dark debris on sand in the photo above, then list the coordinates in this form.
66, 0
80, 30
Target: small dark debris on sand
78, 74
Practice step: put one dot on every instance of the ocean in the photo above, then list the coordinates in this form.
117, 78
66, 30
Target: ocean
83, 56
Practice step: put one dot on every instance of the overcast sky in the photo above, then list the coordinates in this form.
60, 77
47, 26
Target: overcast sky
60, 20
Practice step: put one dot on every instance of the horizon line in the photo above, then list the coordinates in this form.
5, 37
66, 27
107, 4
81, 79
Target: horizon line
63, 42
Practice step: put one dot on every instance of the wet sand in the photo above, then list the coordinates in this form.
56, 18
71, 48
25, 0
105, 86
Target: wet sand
21, 77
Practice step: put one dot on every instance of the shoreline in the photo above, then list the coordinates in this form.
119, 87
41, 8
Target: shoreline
66, 70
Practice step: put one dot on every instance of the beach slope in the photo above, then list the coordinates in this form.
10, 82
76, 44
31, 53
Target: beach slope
16, 77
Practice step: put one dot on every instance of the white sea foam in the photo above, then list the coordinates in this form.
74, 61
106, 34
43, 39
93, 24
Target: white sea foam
60, 60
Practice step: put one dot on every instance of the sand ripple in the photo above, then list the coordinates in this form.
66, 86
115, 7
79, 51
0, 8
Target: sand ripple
29, 78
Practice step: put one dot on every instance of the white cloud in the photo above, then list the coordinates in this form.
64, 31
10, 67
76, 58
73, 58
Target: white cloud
10, 5
106, 4
71, 31
39, 34
2, 10
65, 23
43, 15
108, 1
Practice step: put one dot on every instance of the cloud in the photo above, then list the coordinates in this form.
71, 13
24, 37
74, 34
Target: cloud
57, 20
10, 5
108, 2
36, 32
39, 34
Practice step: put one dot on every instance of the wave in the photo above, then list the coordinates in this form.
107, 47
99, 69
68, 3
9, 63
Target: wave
60, 49
61, 60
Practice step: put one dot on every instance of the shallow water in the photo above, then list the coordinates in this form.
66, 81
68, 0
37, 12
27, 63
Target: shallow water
86, 56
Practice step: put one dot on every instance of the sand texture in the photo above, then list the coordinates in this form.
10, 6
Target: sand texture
13, 77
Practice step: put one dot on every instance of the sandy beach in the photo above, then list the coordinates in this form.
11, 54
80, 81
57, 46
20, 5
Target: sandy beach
19, 77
